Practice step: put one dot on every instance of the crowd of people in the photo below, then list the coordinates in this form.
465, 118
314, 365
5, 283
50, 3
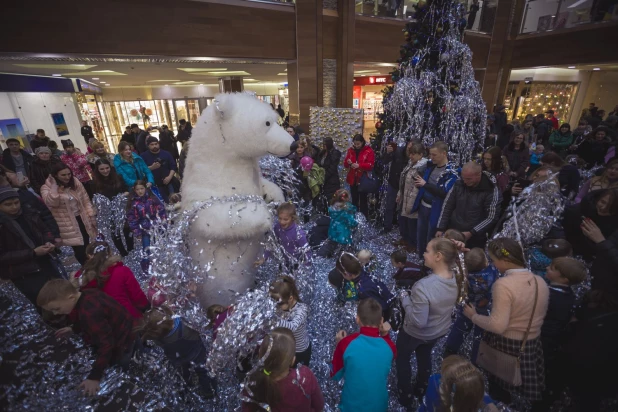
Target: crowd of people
454, 272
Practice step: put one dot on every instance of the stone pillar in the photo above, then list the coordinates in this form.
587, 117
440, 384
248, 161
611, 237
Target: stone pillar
293, 93
345, 52
231, 84
498, 69
308, 57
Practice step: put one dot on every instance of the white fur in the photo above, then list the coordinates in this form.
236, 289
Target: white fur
227, 141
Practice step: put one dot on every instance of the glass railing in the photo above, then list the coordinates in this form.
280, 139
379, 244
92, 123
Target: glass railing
548, 15
480, 16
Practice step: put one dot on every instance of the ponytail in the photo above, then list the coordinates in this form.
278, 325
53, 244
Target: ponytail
276, 355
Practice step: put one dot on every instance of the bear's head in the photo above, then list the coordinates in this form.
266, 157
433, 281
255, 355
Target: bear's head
239, 124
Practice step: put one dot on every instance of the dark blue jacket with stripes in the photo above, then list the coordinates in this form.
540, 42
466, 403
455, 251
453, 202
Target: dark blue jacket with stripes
472, 209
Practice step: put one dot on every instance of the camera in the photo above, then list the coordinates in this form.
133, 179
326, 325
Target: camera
160, 161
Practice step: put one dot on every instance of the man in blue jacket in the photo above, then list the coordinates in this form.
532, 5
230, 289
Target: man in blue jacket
163, 168
439, 178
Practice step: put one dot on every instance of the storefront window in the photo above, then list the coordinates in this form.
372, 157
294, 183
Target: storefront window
539, 97
550, 15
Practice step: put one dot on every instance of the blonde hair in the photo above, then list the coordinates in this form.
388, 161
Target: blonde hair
571, 269
56, 289
157, 323
365, 254
461, 386
450, 254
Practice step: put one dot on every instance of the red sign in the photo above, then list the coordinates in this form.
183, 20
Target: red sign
372, 80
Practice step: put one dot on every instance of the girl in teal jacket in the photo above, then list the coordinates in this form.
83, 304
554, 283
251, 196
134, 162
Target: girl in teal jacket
131, 167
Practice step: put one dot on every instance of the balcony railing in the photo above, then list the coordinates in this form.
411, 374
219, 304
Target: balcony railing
548, 15
480, 14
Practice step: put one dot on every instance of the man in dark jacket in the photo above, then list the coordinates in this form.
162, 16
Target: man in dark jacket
543, 129
128, 136
168, 141
398, 159
472, 206
163, 167
140, 138
39, 140
28, 199
500, 117
329, 159
87, 132
16, 159
25, 245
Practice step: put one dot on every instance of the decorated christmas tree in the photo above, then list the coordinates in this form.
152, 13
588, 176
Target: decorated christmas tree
435, 96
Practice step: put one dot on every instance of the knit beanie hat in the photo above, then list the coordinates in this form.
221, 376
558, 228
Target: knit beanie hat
42, 149
7, 192
151, 139
67, 143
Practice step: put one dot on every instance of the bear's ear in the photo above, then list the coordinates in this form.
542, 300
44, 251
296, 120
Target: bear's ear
224, 105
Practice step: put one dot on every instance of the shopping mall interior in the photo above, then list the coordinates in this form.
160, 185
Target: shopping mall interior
298, 54
411, 77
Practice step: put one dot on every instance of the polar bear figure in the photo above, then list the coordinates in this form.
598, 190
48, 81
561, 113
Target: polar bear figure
222, 169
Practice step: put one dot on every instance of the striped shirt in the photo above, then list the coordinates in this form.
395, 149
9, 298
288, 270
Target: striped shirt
296, 320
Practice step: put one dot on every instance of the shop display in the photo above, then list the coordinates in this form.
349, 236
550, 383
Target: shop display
339, 124
541, 97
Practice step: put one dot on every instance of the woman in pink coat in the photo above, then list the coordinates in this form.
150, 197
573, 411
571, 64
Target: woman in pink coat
70, 205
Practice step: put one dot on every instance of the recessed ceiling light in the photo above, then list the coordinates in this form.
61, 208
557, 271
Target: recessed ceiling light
201, 84
95, 78
56, 75
597, 68
571, 67
166, 85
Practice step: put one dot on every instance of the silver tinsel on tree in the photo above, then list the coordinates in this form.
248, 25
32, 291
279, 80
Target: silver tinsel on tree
435, 96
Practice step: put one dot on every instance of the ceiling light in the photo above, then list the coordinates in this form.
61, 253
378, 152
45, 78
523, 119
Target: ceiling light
56, 75
200, 69
282, 74
166, 85
162, 81
597, 68
56, 66
217, 74
95, 78
571, 67
201, 84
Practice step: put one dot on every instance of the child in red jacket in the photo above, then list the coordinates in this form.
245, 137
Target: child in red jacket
106, 272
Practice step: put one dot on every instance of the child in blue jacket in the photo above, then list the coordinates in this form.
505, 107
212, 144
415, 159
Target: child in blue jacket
363, 360
481, 277
342, 223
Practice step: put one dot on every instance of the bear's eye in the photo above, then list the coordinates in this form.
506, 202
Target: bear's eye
267, 123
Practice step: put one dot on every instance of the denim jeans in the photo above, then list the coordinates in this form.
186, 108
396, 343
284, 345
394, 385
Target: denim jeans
146, 242
391, 207
407, 229
460, 329
424, 232
407, 344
